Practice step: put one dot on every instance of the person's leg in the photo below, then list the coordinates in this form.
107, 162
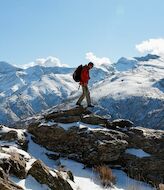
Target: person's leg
87, 93
81, 97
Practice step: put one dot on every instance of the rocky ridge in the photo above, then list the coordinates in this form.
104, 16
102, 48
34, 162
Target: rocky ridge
83, 136
93, 140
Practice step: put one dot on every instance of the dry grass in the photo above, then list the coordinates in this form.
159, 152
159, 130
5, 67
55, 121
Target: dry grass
14, 155
105, 175
161, 186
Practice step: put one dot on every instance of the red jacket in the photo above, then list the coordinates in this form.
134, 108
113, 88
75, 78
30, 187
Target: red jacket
85, 75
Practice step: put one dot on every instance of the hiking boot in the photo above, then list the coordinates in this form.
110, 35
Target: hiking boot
90, 106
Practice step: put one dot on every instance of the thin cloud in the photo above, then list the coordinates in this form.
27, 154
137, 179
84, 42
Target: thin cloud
45, 62
97, 60
154, 46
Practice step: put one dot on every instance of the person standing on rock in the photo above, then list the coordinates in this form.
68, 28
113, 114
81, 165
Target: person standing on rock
84, 83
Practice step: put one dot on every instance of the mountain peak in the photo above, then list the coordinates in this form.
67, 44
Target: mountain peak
124, 64
147, 57
6, 67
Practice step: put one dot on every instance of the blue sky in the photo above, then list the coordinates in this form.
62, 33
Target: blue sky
68, 29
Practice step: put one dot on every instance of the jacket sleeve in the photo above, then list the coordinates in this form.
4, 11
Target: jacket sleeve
85, 76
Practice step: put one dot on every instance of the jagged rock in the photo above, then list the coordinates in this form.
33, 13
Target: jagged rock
150, 140
9, 136
42, 174
67, 119
5, 183
75, 115
122, 123
149, 169
63, 169
78, 111
94, 120
12, 135
70, 175
3, 174
18, 165
8, 185
15, 164
84, 115
94, 147
87, 146
23, 143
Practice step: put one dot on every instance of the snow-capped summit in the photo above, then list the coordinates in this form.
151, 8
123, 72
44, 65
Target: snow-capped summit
124, 64
147, 57
137, 93
127, 64
129, 89
25, 92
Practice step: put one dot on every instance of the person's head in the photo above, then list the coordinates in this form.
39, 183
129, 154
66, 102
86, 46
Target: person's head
90, 65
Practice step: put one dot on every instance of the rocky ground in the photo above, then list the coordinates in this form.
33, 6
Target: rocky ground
99, 141
14, 161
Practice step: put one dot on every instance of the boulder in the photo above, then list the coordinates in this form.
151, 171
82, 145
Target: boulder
149, 169
81, 144
66, 119
8, 185
3, 174
9, 136
43, 175
5, 183
15, 164
150, 140
12, 135
23, 143
94, 120
78, 111
122, 123
18, 165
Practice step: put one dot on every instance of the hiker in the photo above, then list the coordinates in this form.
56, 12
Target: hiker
84, 83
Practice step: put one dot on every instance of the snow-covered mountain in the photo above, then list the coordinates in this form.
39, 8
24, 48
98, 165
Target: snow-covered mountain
7, 68
135, 92
132, 88
25, 92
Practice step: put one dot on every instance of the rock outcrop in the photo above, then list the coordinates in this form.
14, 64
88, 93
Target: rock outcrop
52, 179
150, 140
81, 144
16, 162
105, 142
8, 185
82, 114
83, 136
150, 169
13, 136
5, 183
